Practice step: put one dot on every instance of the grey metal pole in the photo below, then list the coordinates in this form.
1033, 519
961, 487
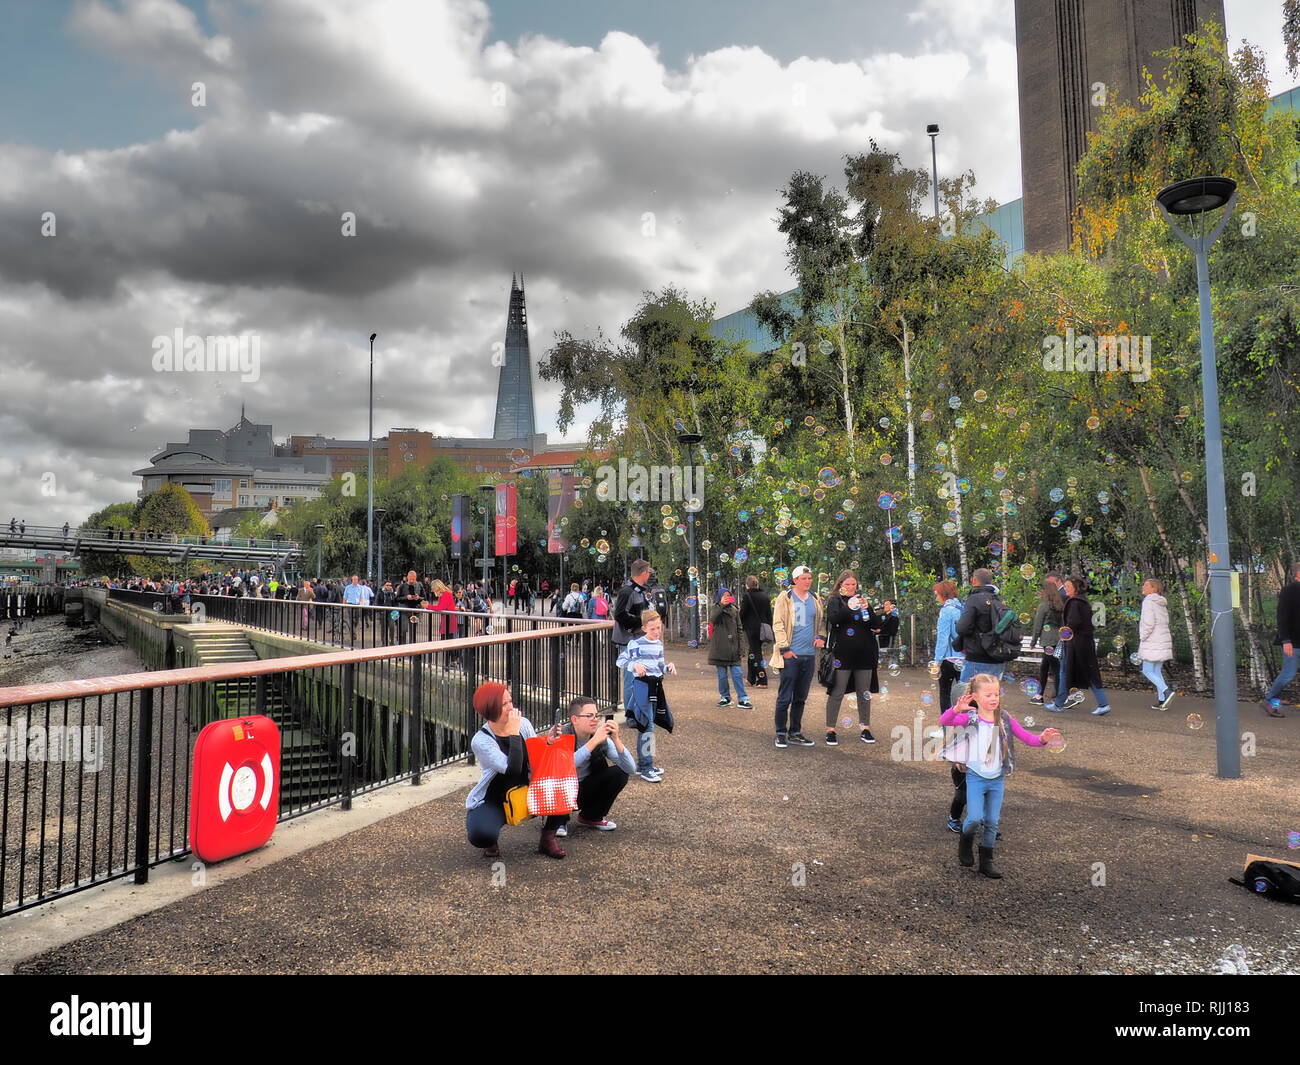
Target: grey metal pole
934, 169
1222, 635
370, 478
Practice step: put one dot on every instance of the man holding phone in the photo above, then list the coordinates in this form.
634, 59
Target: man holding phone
602, 762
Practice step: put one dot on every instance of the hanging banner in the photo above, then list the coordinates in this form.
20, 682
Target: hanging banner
507, 523
561, 490
460, 524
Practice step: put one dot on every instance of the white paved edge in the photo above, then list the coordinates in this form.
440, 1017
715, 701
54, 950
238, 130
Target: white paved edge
42, 928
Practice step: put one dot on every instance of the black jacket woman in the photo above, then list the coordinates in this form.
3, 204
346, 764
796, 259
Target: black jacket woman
855, 654
724, 648
1079, 666
755, 613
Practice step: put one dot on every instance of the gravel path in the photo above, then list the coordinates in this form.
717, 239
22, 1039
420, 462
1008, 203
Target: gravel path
818, 860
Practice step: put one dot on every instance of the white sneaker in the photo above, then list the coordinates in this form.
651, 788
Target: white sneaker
650, 777
1073, 699
563, 830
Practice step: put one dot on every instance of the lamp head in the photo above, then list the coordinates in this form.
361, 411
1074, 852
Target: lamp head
932, 128
1196, 195
689, 438
372, 337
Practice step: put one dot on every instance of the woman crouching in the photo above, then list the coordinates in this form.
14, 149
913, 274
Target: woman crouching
500, 750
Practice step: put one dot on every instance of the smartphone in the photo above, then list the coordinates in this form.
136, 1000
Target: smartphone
609, 717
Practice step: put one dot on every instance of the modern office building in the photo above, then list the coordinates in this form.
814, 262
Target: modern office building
515, 418
239, 467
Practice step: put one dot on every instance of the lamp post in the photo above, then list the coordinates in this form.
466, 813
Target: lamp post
1194, 199
379, 517
488, 490
320, 543
933, 130
689, 440
370, 478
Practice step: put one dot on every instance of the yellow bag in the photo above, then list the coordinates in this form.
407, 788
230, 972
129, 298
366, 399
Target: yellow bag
516, 805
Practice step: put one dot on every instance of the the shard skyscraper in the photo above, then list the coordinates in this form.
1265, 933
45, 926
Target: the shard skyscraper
514, 420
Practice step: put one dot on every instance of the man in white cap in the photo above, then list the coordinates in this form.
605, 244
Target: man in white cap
799, 628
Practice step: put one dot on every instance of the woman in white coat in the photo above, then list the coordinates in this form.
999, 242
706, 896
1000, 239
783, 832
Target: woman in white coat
1155, 642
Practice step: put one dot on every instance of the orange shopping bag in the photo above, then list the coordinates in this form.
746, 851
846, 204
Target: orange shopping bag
553, 784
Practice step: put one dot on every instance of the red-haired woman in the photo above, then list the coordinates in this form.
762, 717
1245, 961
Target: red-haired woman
500, 750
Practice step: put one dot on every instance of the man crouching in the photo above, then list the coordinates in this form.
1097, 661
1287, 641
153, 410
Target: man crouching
602, 762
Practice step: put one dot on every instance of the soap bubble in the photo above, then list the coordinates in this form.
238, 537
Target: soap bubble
1093, 422
954, 402
884, 423
980, 395
895, 533
846, 721
949, 528
1195, 721
1054, 740
1066, 633
886, 459
894, 669
741, 555
1056, 495
927, 698
1293, 841
934, 669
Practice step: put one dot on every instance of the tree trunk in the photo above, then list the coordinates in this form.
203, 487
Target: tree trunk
845, 395
1198, 664
1257, 679
961, 530
911, 426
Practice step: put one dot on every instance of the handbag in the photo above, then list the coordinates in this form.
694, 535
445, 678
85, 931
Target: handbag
553, 786
765, 633
826, 666
516, 805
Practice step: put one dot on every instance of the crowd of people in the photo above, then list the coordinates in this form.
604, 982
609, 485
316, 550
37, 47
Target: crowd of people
974, 641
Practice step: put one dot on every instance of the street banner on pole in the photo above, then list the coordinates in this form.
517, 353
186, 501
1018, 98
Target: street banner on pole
460, 524
507, 522
561, 490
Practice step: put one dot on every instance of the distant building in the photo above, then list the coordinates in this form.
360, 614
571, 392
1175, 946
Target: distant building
244, 467
515, 418
1072, 60
240, 467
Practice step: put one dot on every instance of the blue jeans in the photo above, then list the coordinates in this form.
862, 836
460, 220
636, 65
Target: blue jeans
1287, 675
970, 670
796, 679
645, 750
735, 679
1063, 689
1153, 673
983, 804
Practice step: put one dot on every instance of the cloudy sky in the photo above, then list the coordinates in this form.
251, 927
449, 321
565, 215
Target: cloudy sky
470, 139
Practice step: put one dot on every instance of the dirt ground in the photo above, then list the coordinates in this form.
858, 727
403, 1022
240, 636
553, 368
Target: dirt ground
1117, 854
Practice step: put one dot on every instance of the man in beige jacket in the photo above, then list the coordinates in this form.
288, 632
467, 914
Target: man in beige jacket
799, 629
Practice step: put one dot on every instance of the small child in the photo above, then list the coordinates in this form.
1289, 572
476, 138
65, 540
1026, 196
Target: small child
983, 749
644, 656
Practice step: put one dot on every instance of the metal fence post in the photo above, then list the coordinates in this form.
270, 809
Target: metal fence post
557, 674
417, 718
589, 664
259, 698
347, 733
471, 686
143, 786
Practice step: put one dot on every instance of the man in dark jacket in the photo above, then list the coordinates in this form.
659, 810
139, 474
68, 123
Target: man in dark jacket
629, 604
1288, 633
755, 612
977, 617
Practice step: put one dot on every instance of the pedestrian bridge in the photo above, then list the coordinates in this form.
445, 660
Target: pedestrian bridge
75, 541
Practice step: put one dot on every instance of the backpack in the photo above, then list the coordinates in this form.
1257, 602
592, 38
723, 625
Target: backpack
1002, 642
1275, 879
601, 608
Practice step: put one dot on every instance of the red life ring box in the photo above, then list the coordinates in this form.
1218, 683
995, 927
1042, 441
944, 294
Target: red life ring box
235, 787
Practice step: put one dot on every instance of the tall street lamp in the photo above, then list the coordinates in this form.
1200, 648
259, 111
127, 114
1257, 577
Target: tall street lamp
689, 440
488, 491
1194, 199
370, 479
320, 543
379, 517
933, 130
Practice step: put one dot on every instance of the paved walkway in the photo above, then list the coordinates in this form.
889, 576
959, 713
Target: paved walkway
821, 860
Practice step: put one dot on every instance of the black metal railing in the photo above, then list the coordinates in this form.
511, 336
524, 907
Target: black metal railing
96, 774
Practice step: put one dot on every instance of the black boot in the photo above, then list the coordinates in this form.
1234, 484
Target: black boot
966, 849
986, 864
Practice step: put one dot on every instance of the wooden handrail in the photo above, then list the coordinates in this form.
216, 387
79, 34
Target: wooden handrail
80, 689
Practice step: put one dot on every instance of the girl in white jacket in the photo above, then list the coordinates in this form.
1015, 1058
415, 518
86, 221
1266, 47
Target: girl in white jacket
1155, 642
